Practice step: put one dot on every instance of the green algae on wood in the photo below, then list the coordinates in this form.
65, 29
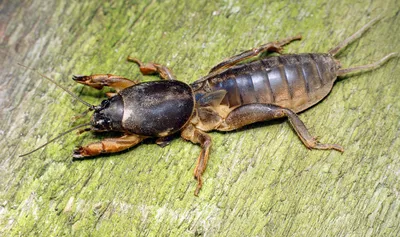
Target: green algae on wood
260, 180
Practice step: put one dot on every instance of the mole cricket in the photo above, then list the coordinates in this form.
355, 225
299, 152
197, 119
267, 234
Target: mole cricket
232, 95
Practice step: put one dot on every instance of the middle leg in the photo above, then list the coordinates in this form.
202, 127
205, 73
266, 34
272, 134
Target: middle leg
153, 68
194, 135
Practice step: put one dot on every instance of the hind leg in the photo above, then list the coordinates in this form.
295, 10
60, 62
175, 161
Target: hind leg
268, 47
252, 113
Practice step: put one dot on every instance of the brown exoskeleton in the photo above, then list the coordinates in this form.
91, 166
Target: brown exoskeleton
231, 96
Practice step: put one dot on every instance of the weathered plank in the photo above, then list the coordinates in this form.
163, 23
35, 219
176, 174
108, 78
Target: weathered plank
260, 180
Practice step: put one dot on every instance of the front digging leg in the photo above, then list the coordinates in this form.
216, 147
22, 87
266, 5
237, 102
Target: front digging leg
110, 145
98, 81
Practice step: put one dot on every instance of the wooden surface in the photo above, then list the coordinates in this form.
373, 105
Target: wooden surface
260, 181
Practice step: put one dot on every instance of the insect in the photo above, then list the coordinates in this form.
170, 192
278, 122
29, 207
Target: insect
232, 95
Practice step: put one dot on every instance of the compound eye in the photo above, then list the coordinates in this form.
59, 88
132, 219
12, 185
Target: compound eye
105, 124
100, 123
105, 103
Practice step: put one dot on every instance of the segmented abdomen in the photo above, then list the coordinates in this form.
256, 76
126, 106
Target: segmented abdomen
295, 81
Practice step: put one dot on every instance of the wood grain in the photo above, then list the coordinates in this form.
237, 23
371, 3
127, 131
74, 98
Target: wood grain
260, 181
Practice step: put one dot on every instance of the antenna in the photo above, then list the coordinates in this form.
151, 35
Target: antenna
58, 136
91, 107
